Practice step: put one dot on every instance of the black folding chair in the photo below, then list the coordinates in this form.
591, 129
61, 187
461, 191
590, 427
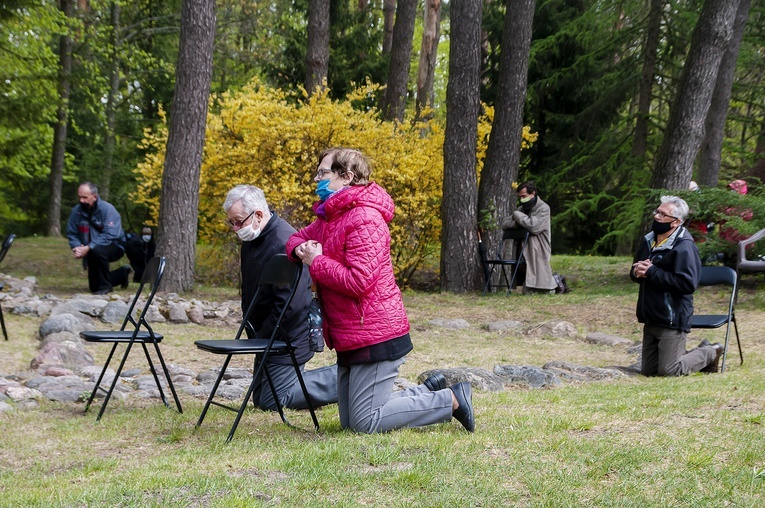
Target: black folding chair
514, 263
3, 251
278, 271
139, 333
720, 276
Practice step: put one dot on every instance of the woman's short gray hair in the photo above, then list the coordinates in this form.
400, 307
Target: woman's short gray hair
679, 204
252, 199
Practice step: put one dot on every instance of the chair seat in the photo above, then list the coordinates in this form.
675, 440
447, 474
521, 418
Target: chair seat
118, 336
709, 321
240, 346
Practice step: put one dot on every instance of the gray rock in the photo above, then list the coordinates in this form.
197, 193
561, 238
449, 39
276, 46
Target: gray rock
237, 373
575, 371
4, 406
196, 315
74, 307
555, 329
56, 371
196, 390
452, 324
131, 372
525, 374
153, 315
20, 393
605, 339
64, 323
61, 337
178, 313
480, 379
114, 312
66, 395
65, 354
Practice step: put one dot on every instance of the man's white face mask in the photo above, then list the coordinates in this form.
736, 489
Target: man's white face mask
247, 233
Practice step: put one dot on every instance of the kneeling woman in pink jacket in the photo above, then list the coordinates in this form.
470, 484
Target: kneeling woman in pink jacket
347, 250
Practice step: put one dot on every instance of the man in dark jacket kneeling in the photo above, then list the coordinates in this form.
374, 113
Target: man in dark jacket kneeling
667, 267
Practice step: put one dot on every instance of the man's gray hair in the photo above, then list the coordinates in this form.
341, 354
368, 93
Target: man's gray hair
252, 199
679, 204
92, 188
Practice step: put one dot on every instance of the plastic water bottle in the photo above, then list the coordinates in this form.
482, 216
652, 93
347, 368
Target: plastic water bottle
315, 334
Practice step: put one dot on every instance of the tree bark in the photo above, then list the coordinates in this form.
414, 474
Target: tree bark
60, 127
495, 193
459, 252
394, 103
317, 52
179, 203
710, 155
685, 128
389, 17
426, 70
650, 50
111, 108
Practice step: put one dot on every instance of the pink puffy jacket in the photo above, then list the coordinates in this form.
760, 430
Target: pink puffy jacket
360, 301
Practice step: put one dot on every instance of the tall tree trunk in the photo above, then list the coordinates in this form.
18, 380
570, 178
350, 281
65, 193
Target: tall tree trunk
650, 50
60, 127
179, 203
710, 155
426, 70
389, 17
685, 128
394, 103
495, 194
460, 262
111, 108
317, 52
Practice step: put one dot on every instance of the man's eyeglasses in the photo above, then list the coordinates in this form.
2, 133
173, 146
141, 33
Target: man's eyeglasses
658, 213
321, 172
237, 224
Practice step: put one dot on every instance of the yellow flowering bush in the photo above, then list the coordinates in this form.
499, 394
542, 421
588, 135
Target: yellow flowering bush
270, 138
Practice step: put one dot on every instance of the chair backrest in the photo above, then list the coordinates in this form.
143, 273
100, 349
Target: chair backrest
278, 271
6, 245
511, 235
714, 275
152, 276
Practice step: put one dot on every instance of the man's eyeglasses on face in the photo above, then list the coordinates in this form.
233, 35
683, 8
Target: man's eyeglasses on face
658, 213
237, 224
321, 172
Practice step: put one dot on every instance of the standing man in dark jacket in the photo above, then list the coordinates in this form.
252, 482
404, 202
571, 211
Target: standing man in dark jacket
95, 236
667, 267
264, 234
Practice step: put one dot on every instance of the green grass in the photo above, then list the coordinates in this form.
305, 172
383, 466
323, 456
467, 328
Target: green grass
692, 441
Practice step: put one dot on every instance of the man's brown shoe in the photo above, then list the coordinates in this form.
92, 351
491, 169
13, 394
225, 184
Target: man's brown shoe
714, 365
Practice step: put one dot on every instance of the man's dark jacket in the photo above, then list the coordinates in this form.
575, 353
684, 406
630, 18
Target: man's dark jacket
666, 293
255, 254
99, 225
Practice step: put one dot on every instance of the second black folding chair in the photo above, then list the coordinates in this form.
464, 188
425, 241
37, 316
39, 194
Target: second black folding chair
503, 262
140, 332
726, 277
278, 271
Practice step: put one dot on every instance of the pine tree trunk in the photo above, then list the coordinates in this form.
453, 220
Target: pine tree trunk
389, 18
685, 128
317, 52
426, 70
400, 56
111, 108
710, 155
179, 203
460, 263
495, 194
60, 127
650, 50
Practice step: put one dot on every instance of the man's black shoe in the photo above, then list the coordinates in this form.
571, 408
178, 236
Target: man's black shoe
102, 292
714, 365
464, 413
435, 382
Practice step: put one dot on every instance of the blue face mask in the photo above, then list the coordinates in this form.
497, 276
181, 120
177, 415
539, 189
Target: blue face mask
323, 190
